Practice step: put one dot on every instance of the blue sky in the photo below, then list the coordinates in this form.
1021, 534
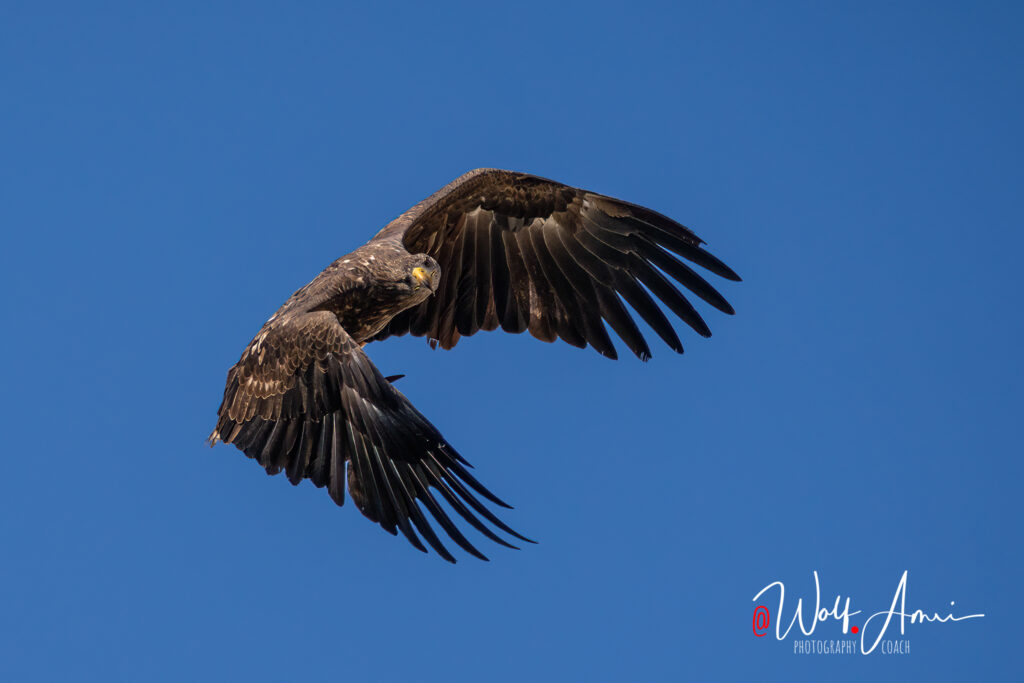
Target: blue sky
170, 174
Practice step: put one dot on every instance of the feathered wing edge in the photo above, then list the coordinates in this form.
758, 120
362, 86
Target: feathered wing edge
339, 409
528, 254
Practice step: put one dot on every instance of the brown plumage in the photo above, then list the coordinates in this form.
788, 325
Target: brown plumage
491, 249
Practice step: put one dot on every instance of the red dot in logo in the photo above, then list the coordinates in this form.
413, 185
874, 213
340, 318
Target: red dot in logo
854, 629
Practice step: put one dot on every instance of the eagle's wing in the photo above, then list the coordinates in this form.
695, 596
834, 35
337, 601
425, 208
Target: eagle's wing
304, 398
526, 253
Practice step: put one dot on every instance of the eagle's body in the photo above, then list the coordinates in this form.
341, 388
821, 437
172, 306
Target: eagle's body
354, 289
493, 248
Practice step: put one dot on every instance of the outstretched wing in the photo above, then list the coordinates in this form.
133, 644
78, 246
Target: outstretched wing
304, 399
526, 253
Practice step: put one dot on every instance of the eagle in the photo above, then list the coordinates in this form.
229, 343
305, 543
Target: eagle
492, 249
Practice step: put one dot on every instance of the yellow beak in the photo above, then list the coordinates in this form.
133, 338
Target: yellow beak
421, 275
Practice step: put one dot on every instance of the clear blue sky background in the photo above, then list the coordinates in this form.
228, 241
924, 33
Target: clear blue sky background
168, 175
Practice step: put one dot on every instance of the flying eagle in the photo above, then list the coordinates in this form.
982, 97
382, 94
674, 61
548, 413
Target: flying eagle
491, 249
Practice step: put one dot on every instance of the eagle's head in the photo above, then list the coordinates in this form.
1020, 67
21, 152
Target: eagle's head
421, 278
400, 280
380, 281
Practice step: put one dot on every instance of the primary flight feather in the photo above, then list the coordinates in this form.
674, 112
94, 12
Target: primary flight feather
491, 249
